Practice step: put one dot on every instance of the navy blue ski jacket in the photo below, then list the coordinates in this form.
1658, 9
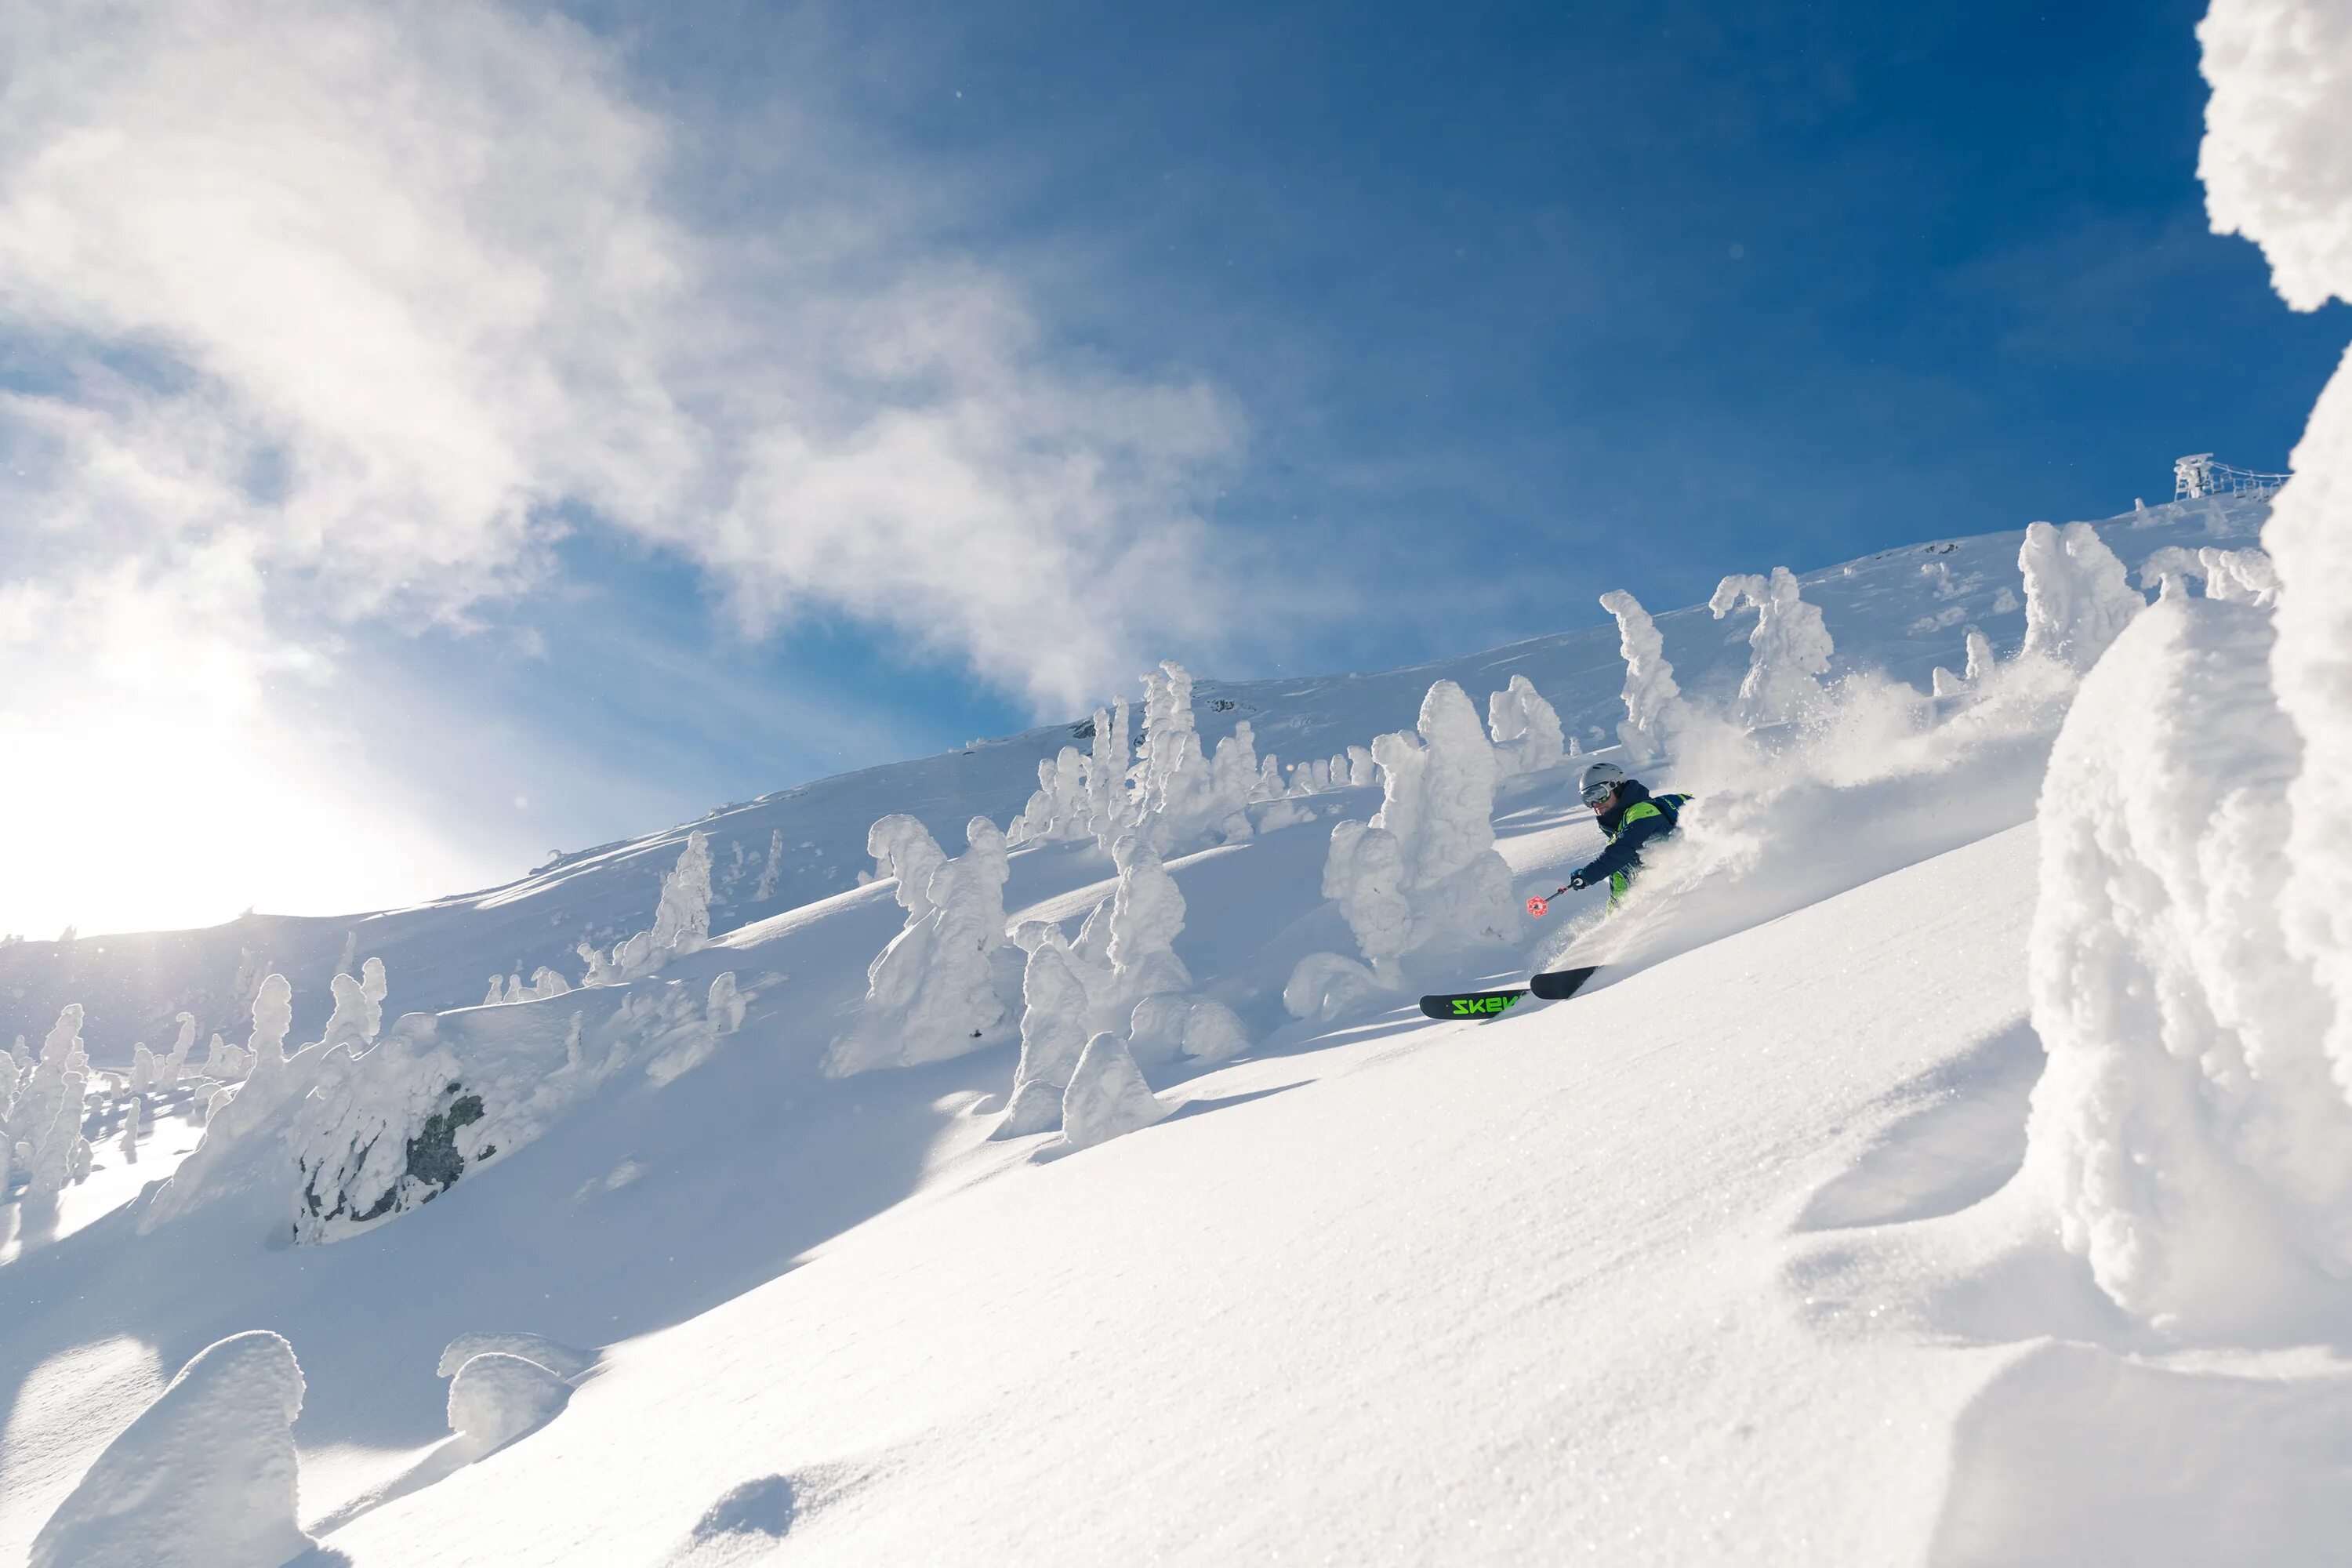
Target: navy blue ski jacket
1633, 819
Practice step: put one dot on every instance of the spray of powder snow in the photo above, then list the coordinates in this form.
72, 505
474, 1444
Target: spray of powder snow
1875, 780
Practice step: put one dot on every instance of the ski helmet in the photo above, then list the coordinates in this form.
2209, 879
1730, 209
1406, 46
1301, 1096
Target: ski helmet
1601, 780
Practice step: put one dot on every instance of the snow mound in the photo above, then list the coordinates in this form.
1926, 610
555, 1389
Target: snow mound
495, 1398
1108, 1096
205, 1477
565, 1361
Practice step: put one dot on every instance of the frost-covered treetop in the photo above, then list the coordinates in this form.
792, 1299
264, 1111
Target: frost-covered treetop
2276, 130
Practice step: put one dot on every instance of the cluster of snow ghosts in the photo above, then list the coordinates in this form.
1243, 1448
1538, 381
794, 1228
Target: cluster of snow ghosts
1091, 1010
2193, 957
681, 925
1173, 792
944, 986
205, 1474
42, 1107
245, 1121
1423, 874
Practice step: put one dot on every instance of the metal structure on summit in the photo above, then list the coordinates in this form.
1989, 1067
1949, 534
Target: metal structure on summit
2200, 475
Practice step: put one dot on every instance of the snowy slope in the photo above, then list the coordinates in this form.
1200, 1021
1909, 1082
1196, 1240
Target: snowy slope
1513, 1292
1650, 1275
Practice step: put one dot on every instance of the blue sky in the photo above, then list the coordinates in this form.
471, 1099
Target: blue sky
529, 483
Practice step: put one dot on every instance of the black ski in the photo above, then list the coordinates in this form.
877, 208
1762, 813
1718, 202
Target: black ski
1473, 1004
1560, 983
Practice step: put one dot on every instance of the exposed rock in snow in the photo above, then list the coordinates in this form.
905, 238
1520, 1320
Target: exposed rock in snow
1791, 645
1108, 1096
1653, 703
937, 990
1526, 729
2197, 1149
442, 1093
497, 1396
2077, 595
205, 1477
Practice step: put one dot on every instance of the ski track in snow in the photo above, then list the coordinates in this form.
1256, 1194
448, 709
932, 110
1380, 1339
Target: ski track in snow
1726, 1260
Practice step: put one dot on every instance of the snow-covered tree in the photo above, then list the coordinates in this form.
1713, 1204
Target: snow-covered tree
1654, 712
2190, 965
939, 989
1055, 1008
1438, 799
1525, 727
1979, 659
177, 1066
1109, 808
273, 1016
1060, 809
1147, 912
1107, 1097
46, 1126
1364, 875
2078, 599
681, 925
359, 1009
223, 1063
904, 849
1791, 645
772, 872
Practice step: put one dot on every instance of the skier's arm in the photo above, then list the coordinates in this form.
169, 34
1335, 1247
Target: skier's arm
1623, 850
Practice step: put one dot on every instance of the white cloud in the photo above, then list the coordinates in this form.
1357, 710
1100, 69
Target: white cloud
341, 311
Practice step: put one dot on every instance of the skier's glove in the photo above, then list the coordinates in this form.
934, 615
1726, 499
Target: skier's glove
1577, 882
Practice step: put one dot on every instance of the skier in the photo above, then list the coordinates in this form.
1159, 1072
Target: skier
1632, 818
